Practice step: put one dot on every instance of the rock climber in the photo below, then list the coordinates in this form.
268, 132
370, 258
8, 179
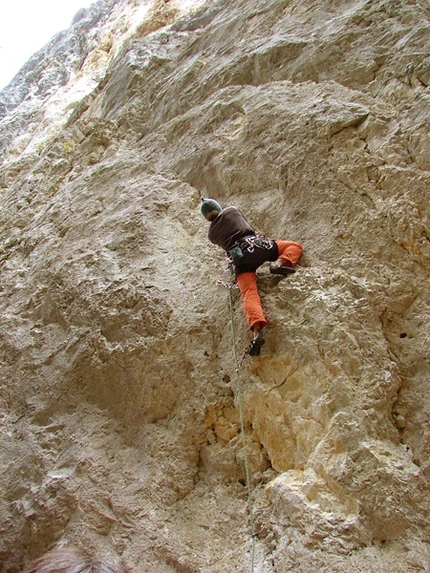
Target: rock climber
246, 251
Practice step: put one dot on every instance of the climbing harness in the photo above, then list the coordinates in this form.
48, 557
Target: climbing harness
248, 245
238, 364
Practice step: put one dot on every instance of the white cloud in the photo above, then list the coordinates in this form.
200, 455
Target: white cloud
28, 25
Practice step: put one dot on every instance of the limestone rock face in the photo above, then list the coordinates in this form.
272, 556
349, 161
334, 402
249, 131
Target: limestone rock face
121, 410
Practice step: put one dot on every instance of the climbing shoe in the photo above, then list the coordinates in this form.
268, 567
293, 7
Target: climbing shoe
284, 271
256, 344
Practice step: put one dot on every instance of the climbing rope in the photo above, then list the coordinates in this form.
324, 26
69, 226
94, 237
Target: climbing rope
238, 364
230, 286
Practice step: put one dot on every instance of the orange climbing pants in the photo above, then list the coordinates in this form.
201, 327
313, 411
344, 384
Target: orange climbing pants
290, 253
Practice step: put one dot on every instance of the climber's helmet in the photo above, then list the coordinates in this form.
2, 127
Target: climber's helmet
210, 209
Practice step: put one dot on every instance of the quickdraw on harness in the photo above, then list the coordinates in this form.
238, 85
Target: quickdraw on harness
257, 241
246, 246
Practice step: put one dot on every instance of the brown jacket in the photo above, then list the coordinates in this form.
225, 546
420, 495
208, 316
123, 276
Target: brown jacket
229, 227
